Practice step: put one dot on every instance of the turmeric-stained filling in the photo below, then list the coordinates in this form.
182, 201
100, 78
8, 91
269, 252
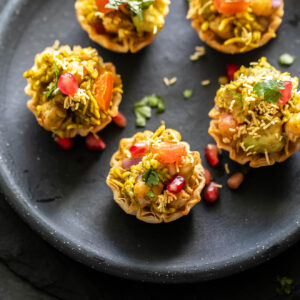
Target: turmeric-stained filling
155, 176
73, 91
257, 115
241, 23
130, 20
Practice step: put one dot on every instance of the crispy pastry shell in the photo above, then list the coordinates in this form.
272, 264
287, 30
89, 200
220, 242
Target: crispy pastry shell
132, 44
196, 182
255, 161
211, 39
116, 100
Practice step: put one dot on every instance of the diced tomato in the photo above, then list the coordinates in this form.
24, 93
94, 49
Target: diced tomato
120, 120
231, 6
139, 149
286, 92
94, 143
104, 90
169, 153
64, 143
230, 71
101, 6
212, 154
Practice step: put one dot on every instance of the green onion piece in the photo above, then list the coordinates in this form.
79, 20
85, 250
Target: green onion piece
187, 94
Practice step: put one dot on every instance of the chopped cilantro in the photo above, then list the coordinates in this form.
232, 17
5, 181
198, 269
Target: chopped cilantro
150, 177
187, 93
150, 194
285, 285
136, 6
286, 59
54, 86
142, 109
270, 89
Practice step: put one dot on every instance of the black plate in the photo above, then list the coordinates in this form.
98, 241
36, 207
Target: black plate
63, 195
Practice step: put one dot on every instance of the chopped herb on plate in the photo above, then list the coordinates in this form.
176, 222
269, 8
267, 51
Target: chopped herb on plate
286, 59
187, 93
142, 109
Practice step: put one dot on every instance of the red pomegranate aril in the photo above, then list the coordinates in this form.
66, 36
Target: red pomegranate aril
64, 143
235, 180
120, 120
139, 149
176, 185
94, 143
286, 92
211, 152
67, 84
207, 177
211, 192
230, 70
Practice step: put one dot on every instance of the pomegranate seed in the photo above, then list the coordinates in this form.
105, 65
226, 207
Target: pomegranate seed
230, 70
212, 154
67, 84
120, 120
64, 143
207, 177
235, 180
211, 192
139, 149
176, 185
94, 143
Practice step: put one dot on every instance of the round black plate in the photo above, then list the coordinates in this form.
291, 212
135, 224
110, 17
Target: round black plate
63, 195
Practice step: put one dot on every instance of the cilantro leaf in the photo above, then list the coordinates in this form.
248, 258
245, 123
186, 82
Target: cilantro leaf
150, 177
135, 6
142, 109
150, 194
54, 86
270, 89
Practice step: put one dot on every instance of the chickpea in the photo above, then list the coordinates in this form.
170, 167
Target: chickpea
235, 181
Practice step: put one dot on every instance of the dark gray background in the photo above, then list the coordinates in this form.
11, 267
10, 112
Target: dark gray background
27, 255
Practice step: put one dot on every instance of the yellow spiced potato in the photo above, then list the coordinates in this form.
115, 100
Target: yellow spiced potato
155, 176
73, 91
121, 25
234, 26
257, 115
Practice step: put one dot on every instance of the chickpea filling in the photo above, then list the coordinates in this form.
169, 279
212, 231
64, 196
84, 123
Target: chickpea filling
123, 23
258, 124
66, 86
242, 23
156, 172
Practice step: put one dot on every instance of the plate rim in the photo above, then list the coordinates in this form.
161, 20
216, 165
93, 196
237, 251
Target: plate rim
68, 247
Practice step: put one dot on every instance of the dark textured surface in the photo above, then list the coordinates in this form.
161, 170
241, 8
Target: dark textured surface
244, 228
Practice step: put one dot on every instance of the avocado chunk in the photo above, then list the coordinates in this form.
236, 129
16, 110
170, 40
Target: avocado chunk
269, 140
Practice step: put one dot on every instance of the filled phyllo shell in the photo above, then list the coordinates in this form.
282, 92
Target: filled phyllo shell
73, 91
155, 176
129, 26
235, 26
257, 115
